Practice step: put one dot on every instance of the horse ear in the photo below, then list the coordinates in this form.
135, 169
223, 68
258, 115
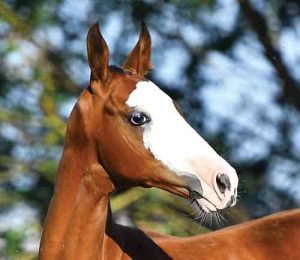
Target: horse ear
139, 60
98, 54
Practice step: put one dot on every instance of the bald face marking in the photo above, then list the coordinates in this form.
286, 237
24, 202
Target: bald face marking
167, 134
177, 145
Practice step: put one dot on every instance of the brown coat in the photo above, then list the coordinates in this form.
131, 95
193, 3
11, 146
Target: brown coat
102, 153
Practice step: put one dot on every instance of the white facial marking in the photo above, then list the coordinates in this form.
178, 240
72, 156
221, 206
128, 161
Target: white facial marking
178, 146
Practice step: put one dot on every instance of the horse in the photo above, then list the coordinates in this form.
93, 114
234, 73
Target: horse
124, 131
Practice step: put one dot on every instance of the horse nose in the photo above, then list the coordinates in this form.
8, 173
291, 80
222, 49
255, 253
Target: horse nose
223, 182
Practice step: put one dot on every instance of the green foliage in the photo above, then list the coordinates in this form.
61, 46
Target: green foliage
13, 239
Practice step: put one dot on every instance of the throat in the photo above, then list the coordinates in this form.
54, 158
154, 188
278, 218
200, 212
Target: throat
79, 209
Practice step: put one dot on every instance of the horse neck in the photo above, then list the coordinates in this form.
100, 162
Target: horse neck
77, 216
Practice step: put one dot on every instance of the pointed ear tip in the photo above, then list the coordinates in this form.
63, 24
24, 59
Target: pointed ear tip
95, 24
144, 31
94, 27
144, 26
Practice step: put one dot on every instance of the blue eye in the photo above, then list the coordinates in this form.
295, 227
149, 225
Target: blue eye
139, 118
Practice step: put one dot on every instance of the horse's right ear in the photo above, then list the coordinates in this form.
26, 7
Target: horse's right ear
138, 61
98, 54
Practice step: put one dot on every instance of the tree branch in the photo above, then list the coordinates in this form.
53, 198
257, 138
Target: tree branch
290, 86
8, 15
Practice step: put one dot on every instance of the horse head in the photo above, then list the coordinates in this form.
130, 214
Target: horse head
136, 132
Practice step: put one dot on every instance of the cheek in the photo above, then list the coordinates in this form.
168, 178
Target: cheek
123, 152
162, 141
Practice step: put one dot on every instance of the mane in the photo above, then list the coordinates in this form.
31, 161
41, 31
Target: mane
117, 69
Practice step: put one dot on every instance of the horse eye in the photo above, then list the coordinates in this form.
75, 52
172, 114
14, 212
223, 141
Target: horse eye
138, 118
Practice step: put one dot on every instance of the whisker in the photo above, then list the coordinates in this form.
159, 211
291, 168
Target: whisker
223, 218
208, 220
219, 223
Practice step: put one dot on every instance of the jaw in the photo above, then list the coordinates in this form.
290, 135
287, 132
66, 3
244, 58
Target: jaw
190, 187
171, 185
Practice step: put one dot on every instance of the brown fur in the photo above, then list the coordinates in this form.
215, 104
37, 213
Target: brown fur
104, 152
138, 61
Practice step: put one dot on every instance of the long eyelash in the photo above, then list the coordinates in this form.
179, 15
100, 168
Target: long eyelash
206, 219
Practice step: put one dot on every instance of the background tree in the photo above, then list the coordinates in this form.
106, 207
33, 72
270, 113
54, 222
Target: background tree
233, 65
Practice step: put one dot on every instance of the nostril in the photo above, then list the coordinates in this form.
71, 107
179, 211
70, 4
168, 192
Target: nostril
223, 182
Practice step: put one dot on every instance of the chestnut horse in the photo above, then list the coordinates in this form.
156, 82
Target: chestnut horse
123, 132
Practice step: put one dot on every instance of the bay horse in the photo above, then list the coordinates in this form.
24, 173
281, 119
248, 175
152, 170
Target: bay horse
124, 132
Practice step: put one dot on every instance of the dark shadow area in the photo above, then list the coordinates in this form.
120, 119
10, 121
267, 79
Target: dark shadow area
135, 243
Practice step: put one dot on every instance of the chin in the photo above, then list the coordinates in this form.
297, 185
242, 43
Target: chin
206, 213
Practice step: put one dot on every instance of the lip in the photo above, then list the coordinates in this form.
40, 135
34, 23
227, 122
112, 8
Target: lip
195, 187
183, 189
204, 204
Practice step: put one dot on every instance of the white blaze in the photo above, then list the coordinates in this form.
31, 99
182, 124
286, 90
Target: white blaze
175, 143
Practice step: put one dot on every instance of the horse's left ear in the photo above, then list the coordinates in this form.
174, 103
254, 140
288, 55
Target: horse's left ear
139, 60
